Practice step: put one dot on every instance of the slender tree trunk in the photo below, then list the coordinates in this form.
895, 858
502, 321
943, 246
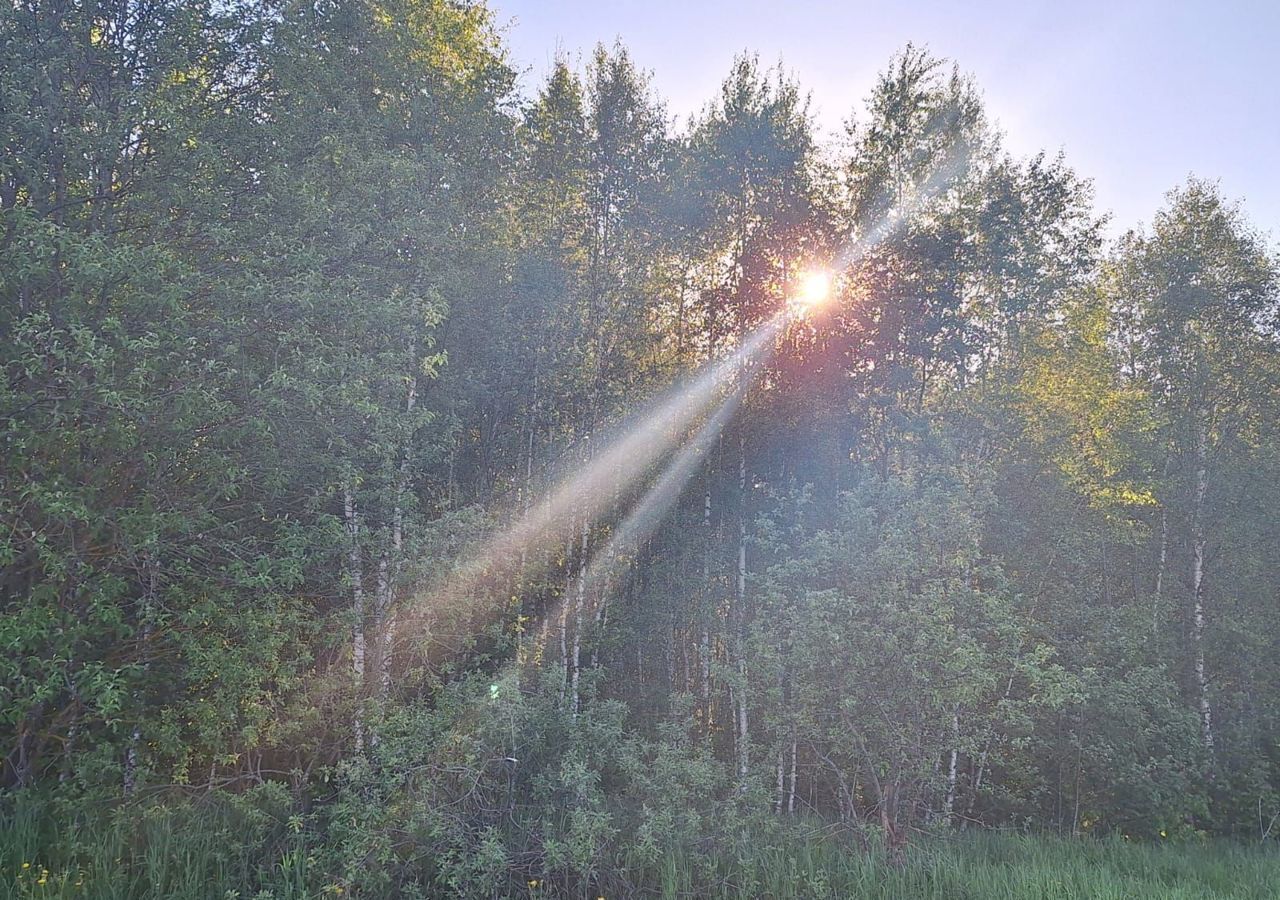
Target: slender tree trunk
384, 654
1157, 597
539, 654
544, 629
564, 622
704, 643
953, 765
389, 569
381, 602
1075, 809
780, 783
704, 675
356, 576
525, 609
579, 603
601, 616
791, 785
1197, 581
599, 602
672, 638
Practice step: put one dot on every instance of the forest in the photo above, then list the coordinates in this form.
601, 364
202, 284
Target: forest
414, 485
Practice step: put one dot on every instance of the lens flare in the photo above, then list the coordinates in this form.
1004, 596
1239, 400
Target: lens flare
815, 288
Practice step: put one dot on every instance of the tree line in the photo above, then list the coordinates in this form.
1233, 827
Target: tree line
302, 300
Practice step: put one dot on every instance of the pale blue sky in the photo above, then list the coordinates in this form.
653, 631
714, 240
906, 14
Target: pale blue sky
1138, 93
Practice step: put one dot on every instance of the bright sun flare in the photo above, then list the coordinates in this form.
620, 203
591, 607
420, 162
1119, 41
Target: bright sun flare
815, 288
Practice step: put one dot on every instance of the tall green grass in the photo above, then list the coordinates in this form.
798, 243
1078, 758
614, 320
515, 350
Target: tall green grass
217, 848
982, 866
222, 848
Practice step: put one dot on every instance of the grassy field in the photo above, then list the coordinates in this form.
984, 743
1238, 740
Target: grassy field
225, 851
1001, 865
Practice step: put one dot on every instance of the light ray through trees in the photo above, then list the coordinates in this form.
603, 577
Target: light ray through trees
943, 177
663, 442
647, 513
602, 482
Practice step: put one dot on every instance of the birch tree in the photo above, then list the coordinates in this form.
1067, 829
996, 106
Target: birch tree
1202, 285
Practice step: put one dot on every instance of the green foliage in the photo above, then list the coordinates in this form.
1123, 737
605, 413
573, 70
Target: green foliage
301, 305
254, 846
247, 845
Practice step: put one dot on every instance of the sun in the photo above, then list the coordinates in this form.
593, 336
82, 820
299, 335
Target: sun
814, 289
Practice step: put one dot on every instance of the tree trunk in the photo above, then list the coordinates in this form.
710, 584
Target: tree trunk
744, 757
1158, 593
949, 802
780, 783
392, 563
356, 576
525, 612
704, 644
579, 603
1197, 581
791, 786
564, 620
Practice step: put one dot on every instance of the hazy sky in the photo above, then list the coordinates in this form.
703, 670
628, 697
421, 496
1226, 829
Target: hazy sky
1137, 93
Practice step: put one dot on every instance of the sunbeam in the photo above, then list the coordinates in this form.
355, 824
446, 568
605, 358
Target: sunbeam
606, 478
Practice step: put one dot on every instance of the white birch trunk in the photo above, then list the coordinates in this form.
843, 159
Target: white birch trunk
566, 599
356, 576
685, 671
953, 766
1197, 581
1158, 593
791, 786
704, 674
601, 616
1164, 560
744, 752
779, 790
390, 582
564, 628
381, 601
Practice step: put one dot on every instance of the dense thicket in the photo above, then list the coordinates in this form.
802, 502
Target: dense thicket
301, 300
